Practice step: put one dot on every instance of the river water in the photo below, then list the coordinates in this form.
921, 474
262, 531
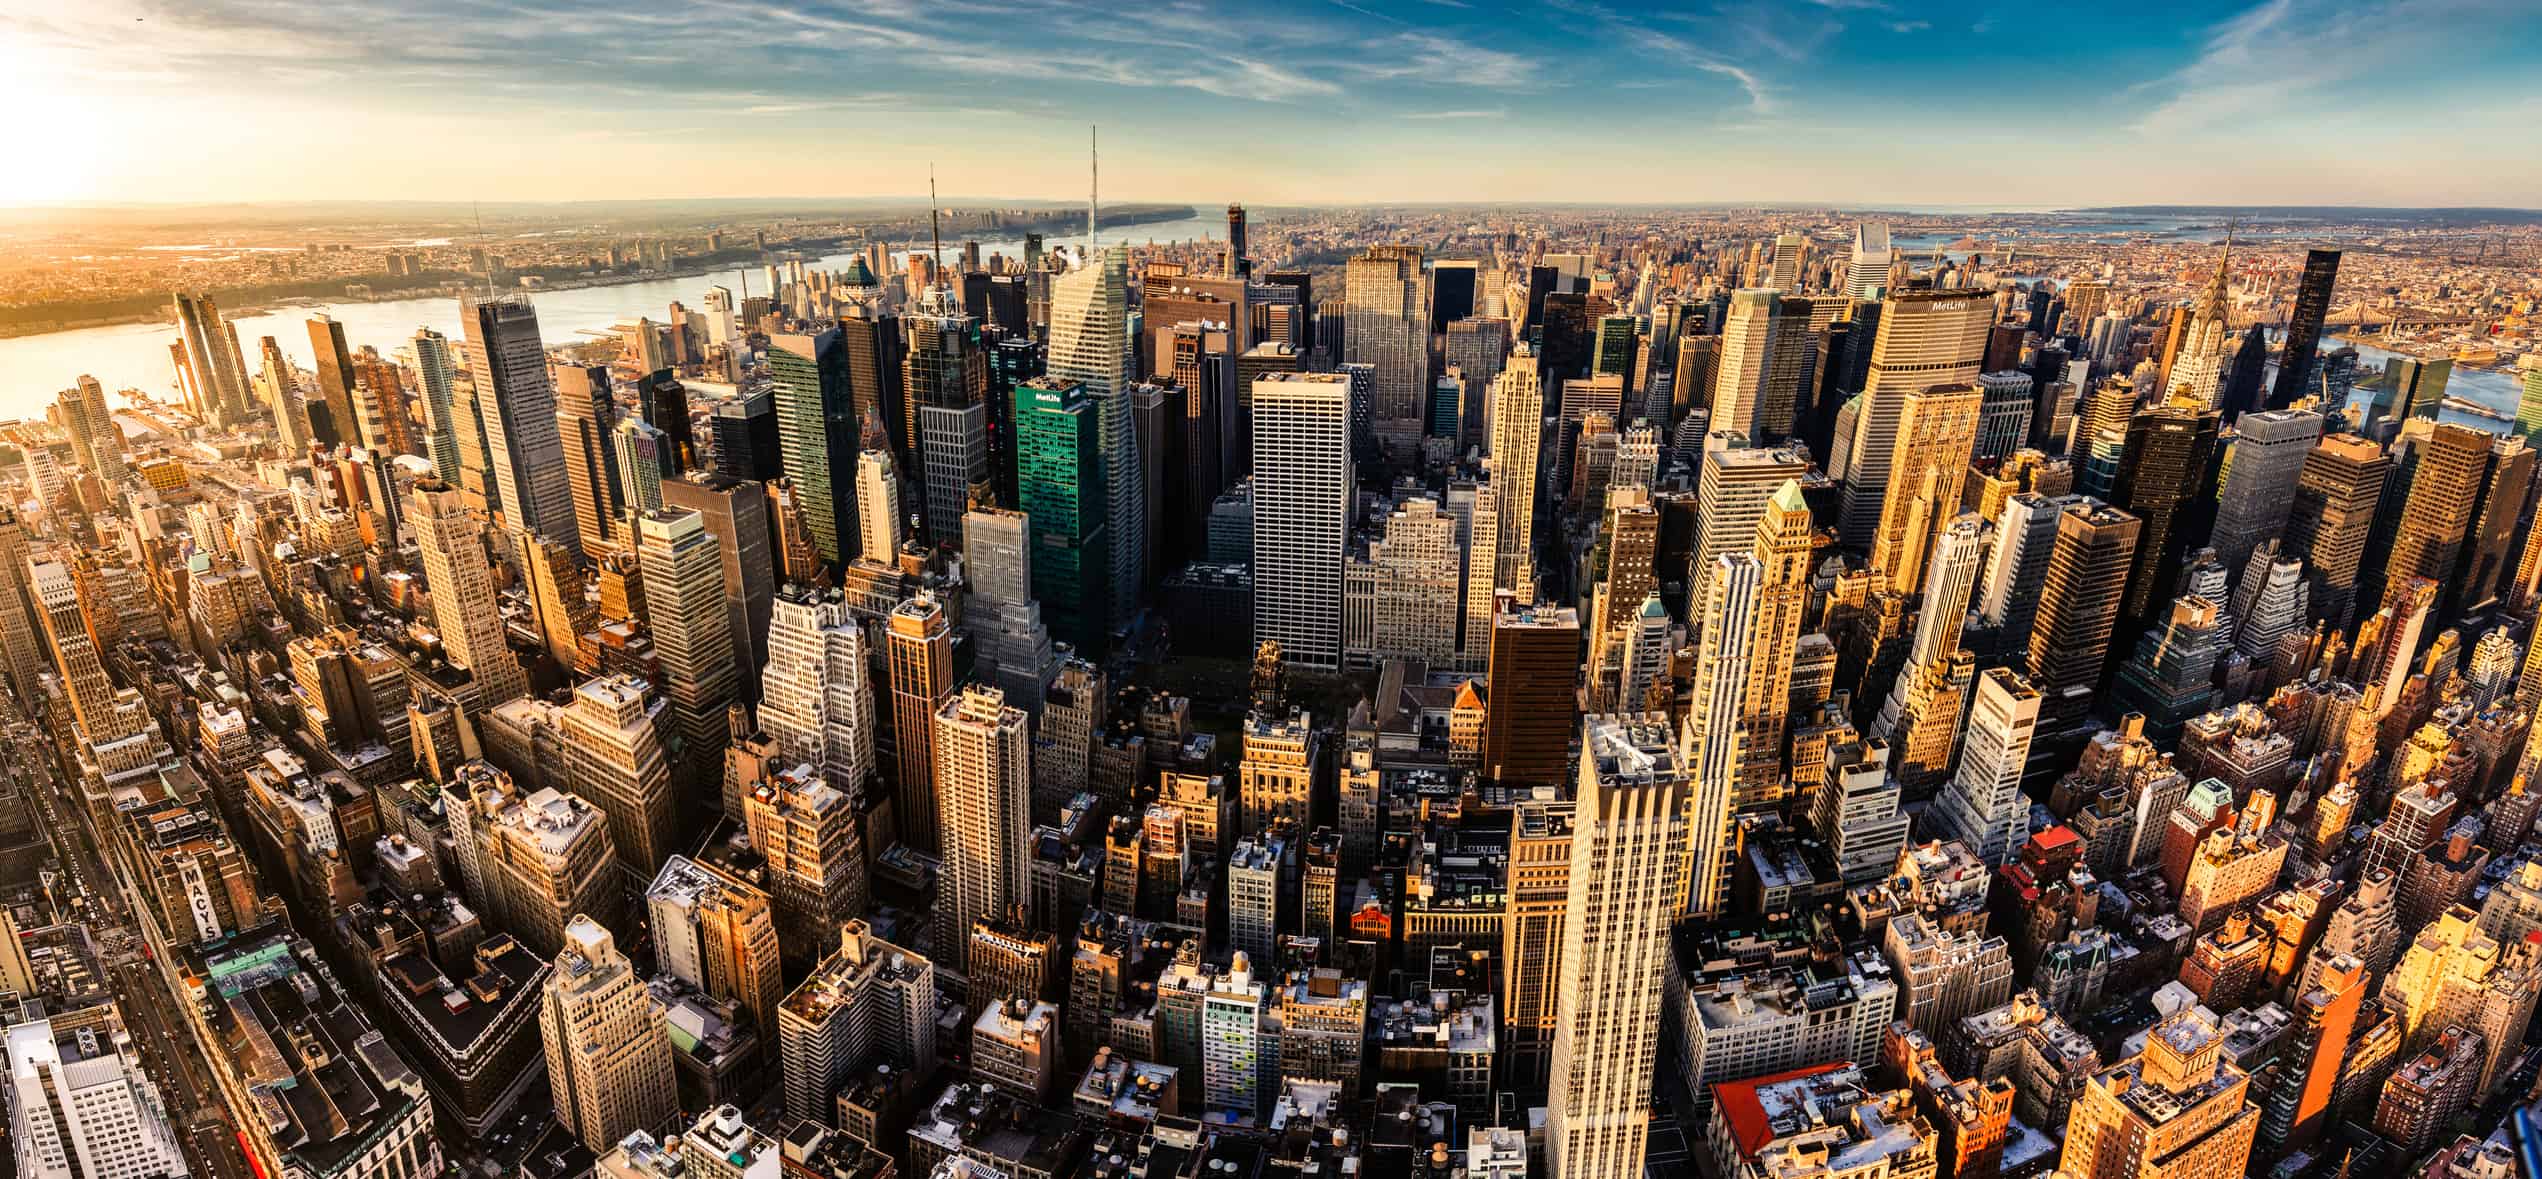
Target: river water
135, 355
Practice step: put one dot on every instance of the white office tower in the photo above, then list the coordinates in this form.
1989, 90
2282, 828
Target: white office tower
1386, 326
1948, 581
1856, 811
1737, 484
1090, 345
2256, 490
721, 325
1627, 871
1004, 620
516, 410
984, 806
816, 696
1982, 806
1645, 652
1233, 1060
461, 583
2493, 666
641, 453
1785, 274
79, 1108
1518, 426
1482, 570
609, 1055
2271, 603
1731, 587
1302, 498
1408, 600
2017, 567
1925, 338
1868, 272
877, 505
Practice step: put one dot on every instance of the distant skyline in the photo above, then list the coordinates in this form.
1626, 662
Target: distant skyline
1318, 102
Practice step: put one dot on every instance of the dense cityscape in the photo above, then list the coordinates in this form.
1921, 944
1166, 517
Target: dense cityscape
1439, 693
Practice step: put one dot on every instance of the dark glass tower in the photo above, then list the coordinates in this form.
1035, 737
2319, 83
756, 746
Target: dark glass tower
2303, 328
1059, 477
817, 436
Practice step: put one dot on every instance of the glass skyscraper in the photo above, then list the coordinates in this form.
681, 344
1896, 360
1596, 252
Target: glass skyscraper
1059, 477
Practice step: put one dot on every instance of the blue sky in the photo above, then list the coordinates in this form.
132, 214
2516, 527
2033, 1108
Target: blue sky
1306, 101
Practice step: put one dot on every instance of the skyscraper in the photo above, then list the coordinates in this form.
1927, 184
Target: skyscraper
1982, 806
609, 1063
82, 1105
1090, 346
2257, 487
735, 513
717, 933
1530, 706
816, 694
461, 582
1388, 330
1784, 540
984, 792
209, 347
2162, 477
1729, 591
877, 505
2303, 329
1059, 483
816, 427
1868, 271
335, 381
944, 390
2194, 1118
1303, 495
585, 420
2337, 494
2446, 474
1925, 338
1928, 464
439, 372
2196, 373
516, 412
692, 632
918, 648
1756, 386
1627, 872
1518, 422
2078, 609
643, 456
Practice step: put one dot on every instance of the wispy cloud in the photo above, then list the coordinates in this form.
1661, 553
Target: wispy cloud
1674, 50
1494, 113
2270, 56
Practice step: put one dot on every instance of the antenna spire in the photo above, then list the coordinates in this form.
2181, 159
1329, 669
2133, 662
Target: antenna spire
1094, 184
935, 223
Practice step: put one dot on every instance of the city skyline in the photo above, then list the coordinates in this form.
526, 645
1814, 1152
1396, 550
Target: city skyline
2286, 101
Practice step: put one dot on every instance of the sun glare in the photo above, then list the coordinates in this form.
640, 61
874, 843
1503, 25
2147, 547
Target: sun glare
61, 134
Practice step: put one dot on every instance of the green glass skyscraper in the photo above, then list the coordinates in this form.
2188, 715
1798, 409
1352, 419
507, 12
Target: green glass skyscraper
816, 425
1059, 483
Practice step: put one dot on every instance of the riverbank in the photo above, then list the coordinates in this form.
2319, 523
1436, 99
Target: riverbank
156, 312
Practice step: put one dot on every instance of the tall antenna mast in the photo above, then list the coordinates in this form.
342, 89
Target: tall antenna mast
479, 208
1094, 184
935, 224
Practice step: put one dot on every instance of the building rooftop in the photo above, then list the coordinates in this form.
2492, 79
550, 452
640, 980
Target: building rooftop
322, 1078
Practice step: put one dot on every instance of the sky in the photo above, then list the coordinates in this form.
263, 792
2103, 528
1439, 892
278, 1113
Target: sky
1946, 102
